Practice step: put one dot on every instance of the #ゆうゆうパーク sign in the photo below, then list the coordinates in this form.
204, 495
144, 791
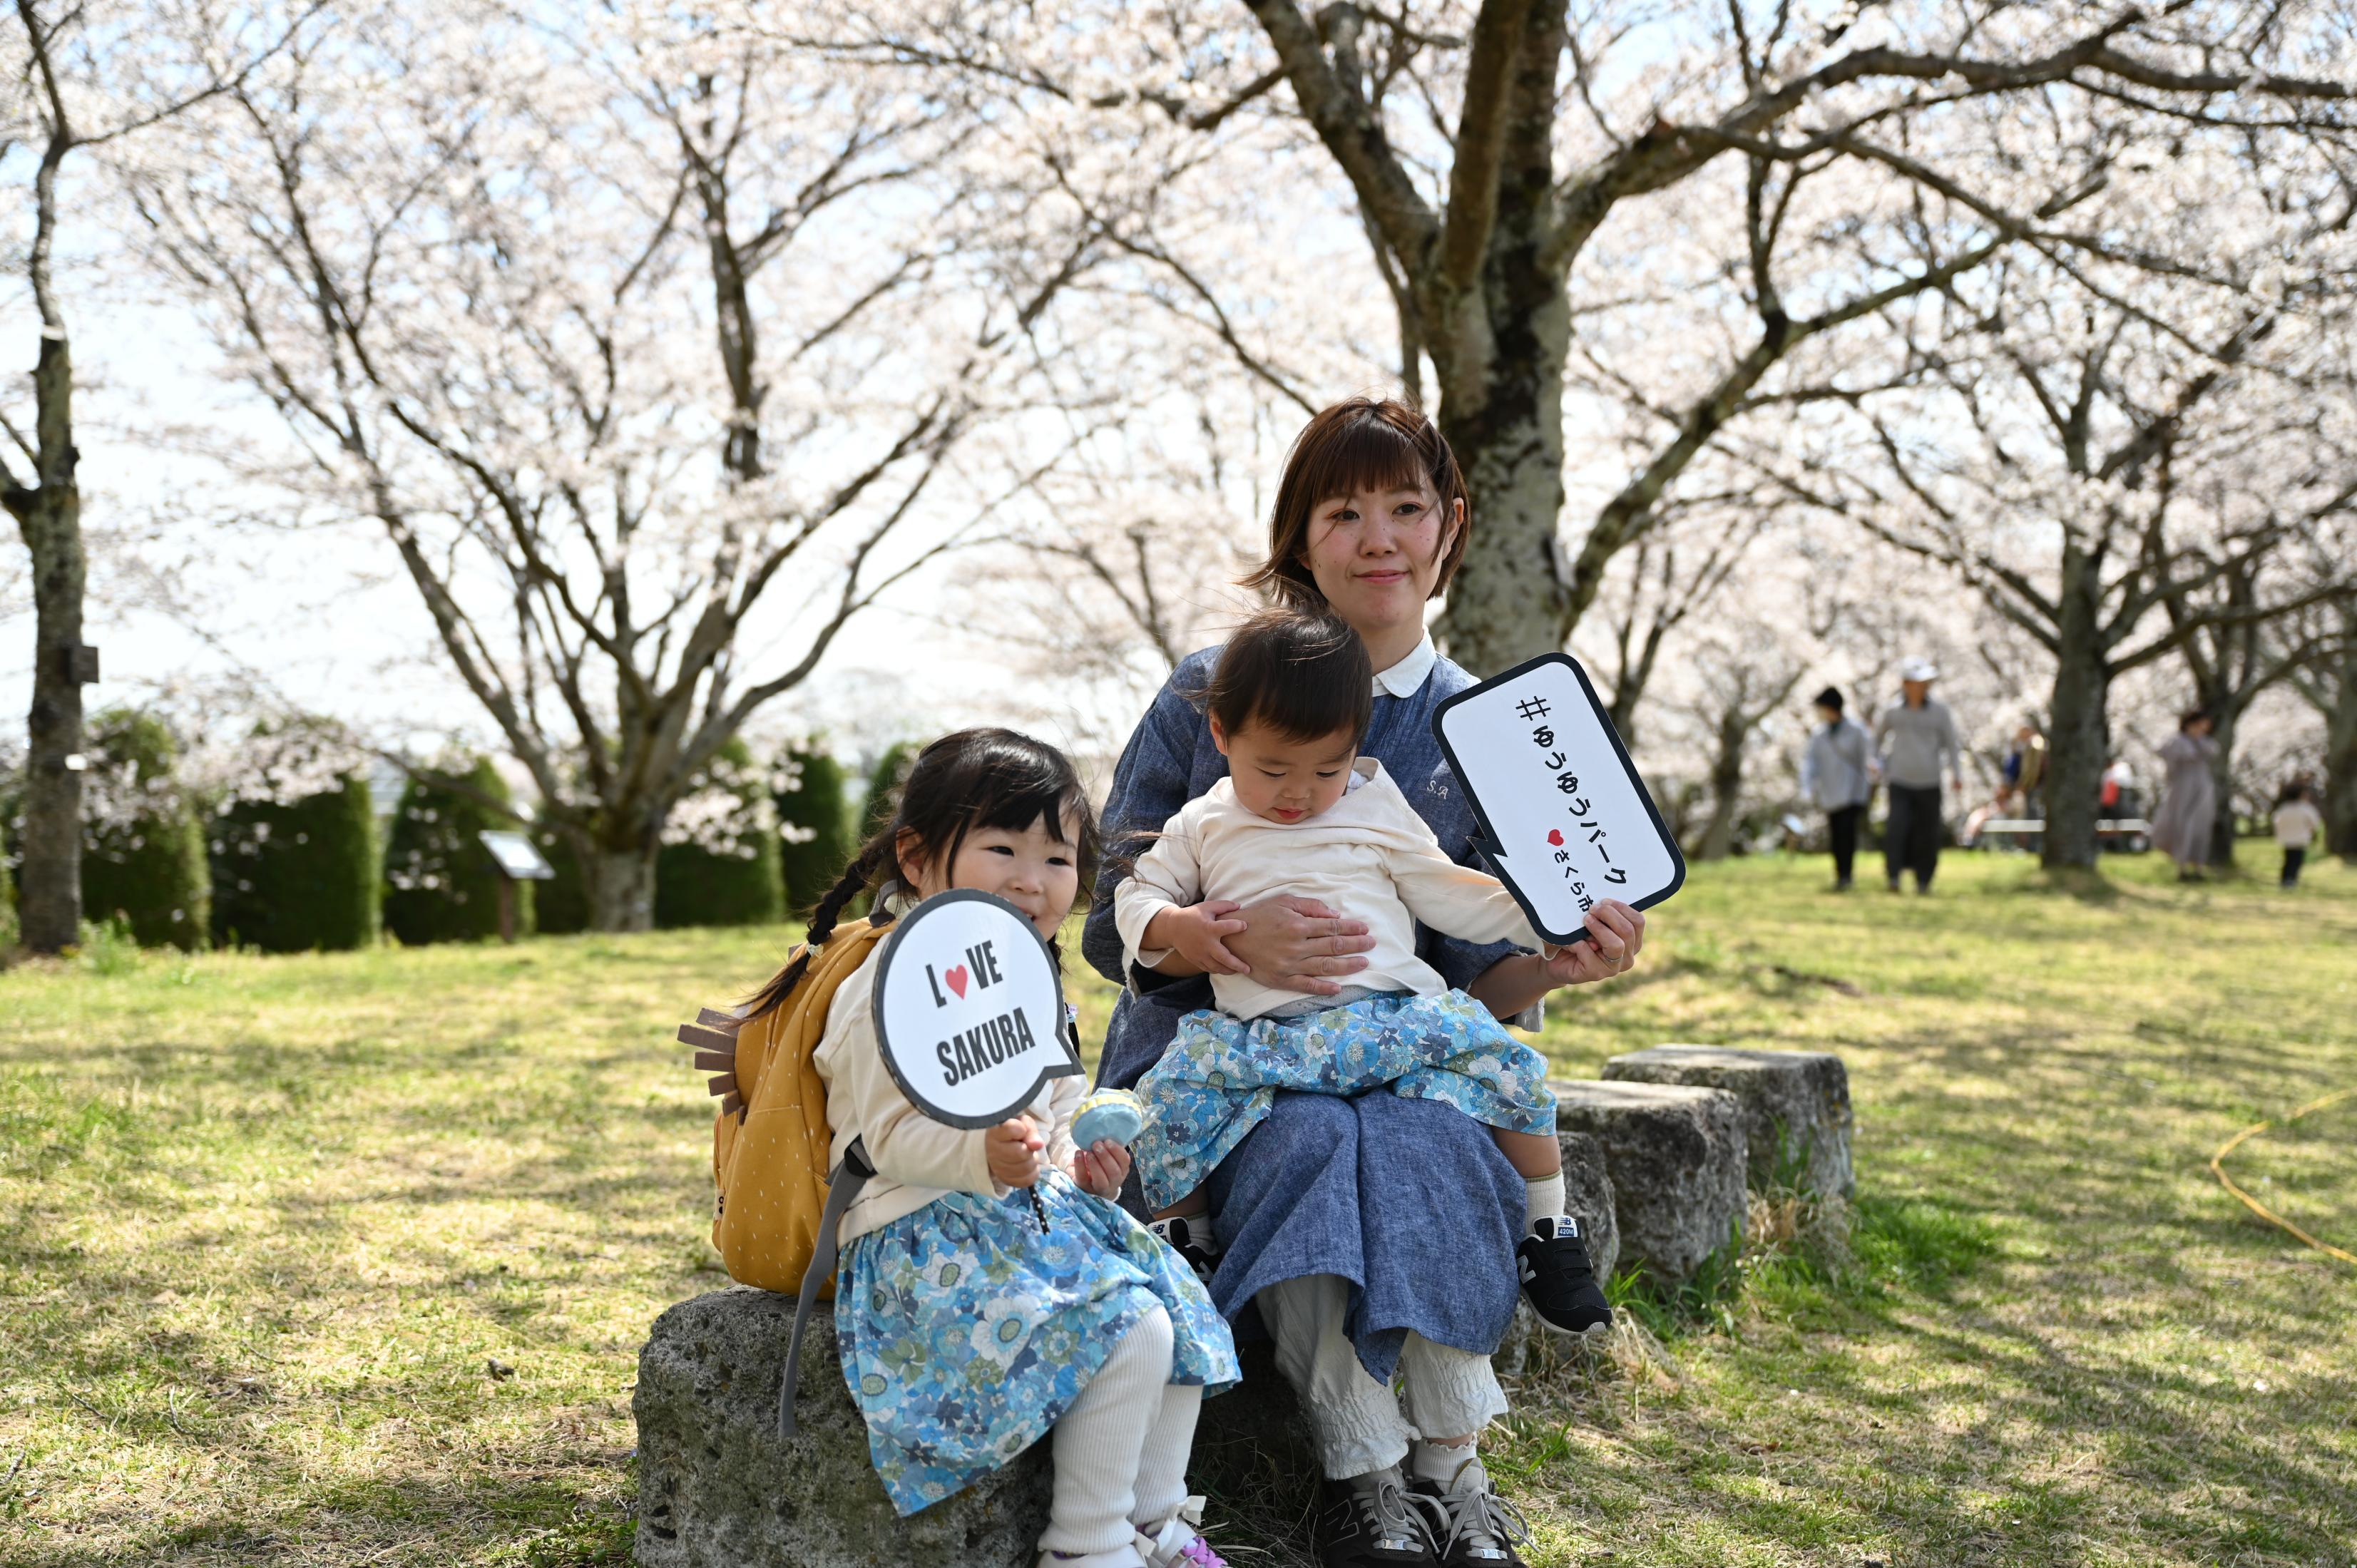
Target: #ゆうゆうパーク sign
970, 1009
1564, 816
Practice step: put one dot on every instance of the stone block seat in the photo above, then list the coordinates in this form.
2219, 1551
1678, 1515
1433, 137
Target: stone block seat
1796, 1111
1675, 1156
718, 1488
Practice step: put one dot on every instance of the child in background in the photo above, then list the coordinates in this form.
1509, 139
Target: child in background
967, 1330
1301, 812
2296, 823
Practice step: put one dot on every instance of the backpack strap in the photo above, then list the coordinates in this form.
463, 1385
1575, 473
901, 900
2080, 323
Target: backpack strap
843, 1187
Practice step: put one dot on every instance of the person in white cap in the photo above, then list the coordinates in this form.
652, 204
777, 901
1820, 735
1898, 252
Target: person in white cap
1917, 741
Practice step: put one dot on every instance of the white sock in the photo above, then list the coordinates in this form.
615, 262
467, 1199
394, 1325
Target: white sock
1542, 1198
1097, 1445
1440, 1461
1161, 1488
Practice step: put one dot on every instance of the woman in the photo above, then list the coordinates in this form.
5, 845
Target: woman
1838, 773
2189, 796
1371, 1234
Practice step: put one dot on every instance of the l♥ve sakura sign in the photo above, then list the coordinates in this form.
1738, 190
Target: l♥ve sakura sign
970, 1009
1564, 816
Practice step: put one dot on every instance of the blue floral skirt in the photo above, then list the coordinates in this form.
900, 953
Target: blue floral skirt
1221, 1075
965, 1334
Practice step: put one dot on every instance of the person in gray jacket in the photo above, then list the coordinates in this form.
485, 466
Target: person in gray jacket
1918, 741
1838, 774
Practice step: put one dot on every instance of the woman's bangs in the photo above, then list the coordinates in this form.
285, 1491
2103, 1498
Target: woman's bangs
1367, 455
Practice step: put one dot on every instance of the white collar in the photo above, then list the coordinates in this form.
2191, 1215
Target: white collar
1405, 678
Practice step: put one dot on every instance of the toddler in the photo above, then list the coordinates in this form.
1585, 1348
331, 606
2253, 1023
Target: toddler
1301, 812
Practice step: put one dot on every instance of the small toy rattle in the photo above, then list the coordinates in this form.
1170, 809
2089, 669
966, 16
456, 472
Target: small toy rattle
1113, 1113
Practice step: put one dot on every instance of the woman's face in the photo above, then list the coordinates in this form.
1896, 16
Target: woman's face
1033, 868
1375, 554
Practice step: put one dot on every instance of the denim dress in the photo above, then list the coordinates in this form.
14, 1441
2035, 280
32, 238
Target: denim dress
1407, 1199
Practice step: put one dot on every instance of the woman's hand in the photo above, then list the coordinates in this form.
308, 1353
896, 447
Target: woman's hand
1013, 1149
1616, 934
1298, 944
1198, 933
1101, 1168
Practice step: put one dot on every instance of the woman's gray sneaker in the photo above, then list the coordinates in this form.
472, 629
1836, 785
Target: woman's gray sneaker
1375, 1521
1479, 1529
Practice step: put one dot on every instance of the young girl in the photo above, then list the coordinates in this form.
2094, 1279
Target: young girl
968, 1331
1301, 812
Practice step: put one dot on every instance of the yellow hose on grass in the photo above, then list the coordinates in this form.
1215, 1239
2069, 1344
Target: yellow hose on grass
2218, 1169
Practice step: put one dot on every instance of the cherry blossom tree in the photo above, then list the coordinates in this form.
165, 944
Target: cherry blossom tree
83, 77
654, 348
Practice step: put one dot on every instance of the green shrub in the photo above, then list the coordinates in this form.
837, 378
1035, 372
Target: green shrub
814, 824
142, 854
561, 904
441, 885
294, 878
884, 788
720, 865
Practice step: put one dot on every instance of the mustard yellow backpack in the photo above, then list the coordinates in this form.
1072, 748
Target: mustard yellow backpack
769, 1143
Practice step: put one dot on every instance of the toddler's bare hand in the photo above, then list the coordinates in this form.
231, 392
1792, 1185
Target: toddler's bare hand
1013, 1149
1101, 1167
1198, 933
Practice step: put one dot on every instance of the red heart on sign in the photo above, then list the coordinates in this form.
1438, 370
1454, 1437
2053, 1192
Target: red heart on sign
1554, 836
957, 979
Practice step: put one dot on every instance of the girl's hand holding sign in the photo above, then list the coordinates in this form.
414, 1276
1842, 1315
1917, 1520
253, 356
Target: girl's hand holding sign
1013, 1150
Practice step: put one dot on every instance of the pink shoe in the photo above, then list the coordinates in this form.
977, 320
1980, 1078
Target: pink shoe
1176, 1541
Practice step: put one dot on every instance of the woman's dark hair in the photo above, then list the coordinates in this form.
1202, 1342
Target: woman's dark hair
964, 782
1303, 673
1359, 444
1830, 697
2191, 717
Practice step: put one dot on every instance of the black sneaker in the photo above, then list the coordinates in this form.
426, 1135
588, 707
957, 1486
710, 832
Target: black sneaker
1558, 1279
1187, 1237
1374, 1522
1479, 1529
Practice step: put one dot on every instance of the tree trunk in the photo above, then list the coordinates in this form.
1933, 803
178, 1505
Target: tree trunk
2340, 763
620, 886
1725, 787
1499, 360
2079, 743
48, 513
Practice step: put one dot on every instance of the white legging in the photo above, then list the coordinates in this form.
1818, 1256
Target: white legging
1357, 1425
1121, 1450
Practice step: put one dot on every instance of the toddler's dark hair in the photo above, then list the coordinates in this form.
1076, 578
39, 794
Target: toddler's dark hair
1303, 673
973, 780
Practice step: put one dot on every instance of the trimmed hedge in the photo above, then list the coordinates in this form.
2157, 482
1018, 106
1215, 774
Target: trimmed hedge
298, 877
884, 784
561, 904
146, 862
817, 807
733, 877
441, 885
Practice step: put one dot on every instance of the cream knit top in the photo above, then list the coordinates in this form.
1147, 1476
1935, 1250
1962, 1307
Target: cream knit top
1371, 858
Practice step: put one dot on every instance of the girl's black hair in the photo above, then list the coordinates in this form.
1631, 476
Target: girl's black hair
973, 780
1301, 673
1830, 697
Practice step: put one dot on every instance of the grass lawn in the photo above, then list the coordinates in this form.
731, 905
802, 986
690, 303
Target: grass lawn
346, 1260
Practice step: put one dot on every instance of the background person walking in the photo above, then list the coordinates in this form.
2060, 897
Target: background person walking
1915, 737
2296, 823
1838, 774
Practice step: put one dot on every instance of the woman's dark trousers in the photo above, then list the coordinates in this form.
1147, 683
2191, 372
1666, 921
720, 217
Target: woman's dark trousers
1910, 840
2293, 859
1842, 826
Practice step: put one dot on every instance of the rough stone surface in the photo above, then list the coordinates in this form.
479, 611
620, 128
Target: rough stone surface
1675, 1156
718, 1490
1796, 1114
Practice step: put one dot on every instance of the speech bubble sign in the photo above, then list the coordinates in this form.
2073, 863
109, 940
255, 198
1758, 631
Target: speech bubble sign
1564, 816
970, 1009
